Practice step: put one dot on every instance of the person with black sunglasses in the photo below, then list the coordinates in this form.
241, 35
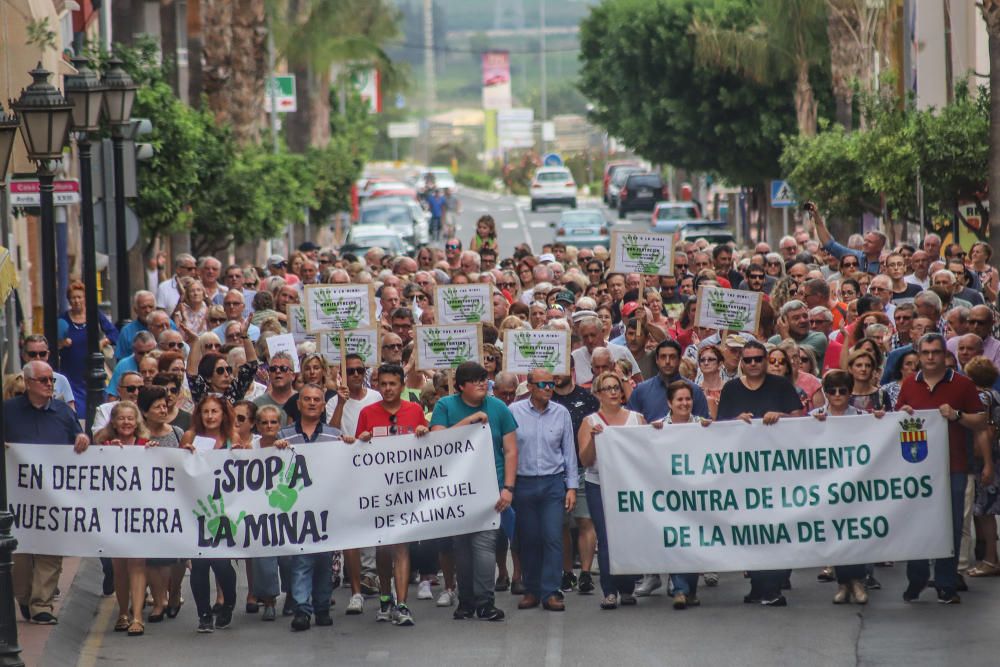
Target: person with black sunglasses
281, 377
760, 395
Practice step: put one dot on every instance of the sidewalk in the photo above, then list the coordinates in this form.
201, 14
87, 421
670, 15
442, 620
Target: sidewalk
33, 638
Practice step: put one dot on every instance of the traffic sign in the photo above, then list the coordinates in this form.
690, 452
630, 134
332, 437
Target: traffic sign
552, 160
782, 195
408, 130
284, 93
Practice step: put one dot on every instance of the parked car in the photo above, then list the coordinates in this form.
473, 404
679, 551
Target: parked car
553, 185
609, 172
713, 231
406, 218
583, 228
669, 216
640, 192
440, 176
391, 189
617, 181
362, 238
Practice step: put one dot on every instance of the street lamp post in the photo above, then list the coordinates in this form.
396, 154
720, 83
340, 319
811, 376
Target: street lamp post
86, 92
10, 652
45, 118
119, 94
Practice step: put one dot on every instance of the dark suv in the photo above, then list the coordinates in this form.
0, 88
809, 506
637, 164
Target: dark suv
641, 192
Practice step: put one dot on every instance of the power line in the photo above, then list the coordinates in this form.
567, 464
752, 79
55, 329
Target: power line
451, 49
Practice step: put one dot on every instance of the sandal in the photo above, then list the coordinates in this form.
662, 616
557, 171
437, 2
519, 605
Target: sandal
984, 569
610, 602
122, 624
136, 628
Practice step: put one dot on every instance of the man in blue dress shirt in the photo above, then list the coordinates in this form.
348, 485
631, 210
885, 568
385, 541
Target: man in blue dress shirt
650, 397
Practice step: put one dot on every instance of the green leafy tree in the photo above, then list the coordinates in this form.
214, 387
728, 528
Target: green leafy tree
638, 68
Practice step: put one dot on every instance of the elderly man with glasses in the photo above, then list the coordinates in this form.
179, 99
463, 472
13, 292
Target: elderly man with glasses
36, 348
981, 324
168, 292
143, 344
36, 417
869, 257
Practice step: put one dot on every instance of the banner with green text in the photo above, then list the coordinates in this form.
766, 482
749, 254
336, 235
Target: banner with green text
160, 502
799, 493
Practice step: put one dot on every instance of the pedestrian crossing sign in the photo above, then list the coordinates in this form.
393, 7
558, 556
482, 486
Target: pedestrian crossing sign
782, 195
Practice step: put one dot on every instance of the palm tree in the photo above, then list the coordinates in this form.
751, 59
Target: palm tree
313, 36
991, 14
787, 40
852, 29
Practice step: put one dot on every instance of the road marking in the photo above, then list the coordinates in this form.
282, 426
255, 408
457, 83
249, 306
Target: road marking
538, 224
99, 628
554, 643
509, 225
524, 225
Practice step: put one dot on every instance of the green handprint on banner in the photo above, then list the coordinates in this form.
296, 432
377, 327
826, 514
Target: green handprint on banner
653, 265
284, 496
327, 305
551, 360
214, 513
435, 342
736, 320
632, 247
353, 316
365, 349
524, 345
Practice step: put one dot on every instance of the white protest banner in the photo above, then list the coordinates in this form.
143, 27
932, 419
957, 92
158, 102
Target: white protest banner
297, 324
339, 307
284, 343
463, 304
727, 309
642, 252
445, 346
161, 502
524, 350
363, 342
799, 493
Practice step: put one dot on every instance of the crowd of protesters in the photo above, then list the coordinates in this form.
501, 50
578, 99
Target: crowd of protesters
849, 328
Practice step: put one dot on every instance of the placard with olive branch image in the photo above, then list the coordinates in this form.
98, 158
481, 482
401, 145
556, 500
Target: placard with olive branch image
445, 346
526, 350
339, 307
642, 252
334, 345
463, 304
727, 309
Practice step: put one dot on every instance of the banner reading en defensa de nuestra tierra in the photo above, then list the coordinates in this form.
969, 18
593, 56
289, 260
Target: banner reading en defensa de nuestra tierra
799, 493
171, 503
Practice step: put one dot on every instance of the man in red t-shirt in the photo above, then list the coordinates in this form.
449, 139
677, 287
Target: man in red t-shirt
938, 387
392, 416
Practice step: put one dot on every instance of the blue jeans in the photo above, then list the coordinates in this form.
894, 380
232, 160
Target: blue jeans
475, 562
610, 584
945, 569
686, 584
540, 507
312, 582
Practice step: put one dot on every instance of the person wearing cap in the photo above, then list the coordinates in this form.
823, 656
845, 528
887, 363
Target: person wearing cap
566, 299
277, 266
546, 258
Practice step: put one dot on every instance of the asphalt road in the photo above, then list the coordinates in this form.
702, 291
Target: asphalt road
723, 631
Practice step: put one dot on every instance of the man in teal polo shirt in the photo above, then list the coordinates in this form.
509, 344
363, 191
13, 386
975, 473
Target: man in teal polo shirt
475, 553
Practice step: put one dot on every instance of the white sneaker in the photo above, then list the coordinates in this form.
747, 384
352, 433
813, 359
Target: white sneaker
447, 598
356, 605
649, 583
424, 591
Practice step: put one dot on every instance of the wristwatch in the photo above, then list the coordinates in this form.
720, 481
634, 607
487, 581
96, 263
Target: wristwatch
508, 488
958, 415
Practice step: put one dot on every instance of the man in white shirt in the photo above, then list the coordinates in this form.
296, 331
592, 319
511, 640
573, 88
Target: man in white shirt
919, 262
352, 396
168, 292
592, 334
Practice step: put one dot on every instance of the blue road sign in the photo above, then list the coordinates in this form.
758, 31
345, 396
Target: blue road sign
552, 160
782, 195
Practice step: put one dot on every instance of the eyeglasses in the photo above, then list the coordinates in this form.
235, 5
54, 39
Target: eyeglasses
837, 391
216, 320
279, 265
224, 370
452, 246
356, 371
753, 360
268, 422
240, 419
593, 270
212, 346
393, 429
490, 358
173, 390
130, 388
611, 389
36, 354
818, 321
849, 263
506, 285
174, 345
279, 369
755, 276
876, 288
544, 384
44, 380
227, 304
392, 346
775, 361
708, 360
774, 263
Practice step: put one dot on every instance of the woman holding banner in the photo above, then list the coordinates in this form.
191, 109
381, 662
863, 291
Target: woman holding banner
212, 374
609, 389
125, 427
212, 424
681, 401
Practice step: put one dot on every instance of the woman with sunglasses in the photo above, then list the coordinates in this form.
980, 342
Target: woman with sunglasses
126, 428
245, 413
212, 374
492, 362
710, 375
838, 386
213, 421
609, 389
313, 369
179, 403
849, 290
774, 265
163, 574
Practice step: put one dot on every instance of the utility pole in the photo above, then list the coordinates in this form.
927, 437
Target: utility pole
272, 91
430, 84
545, 96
